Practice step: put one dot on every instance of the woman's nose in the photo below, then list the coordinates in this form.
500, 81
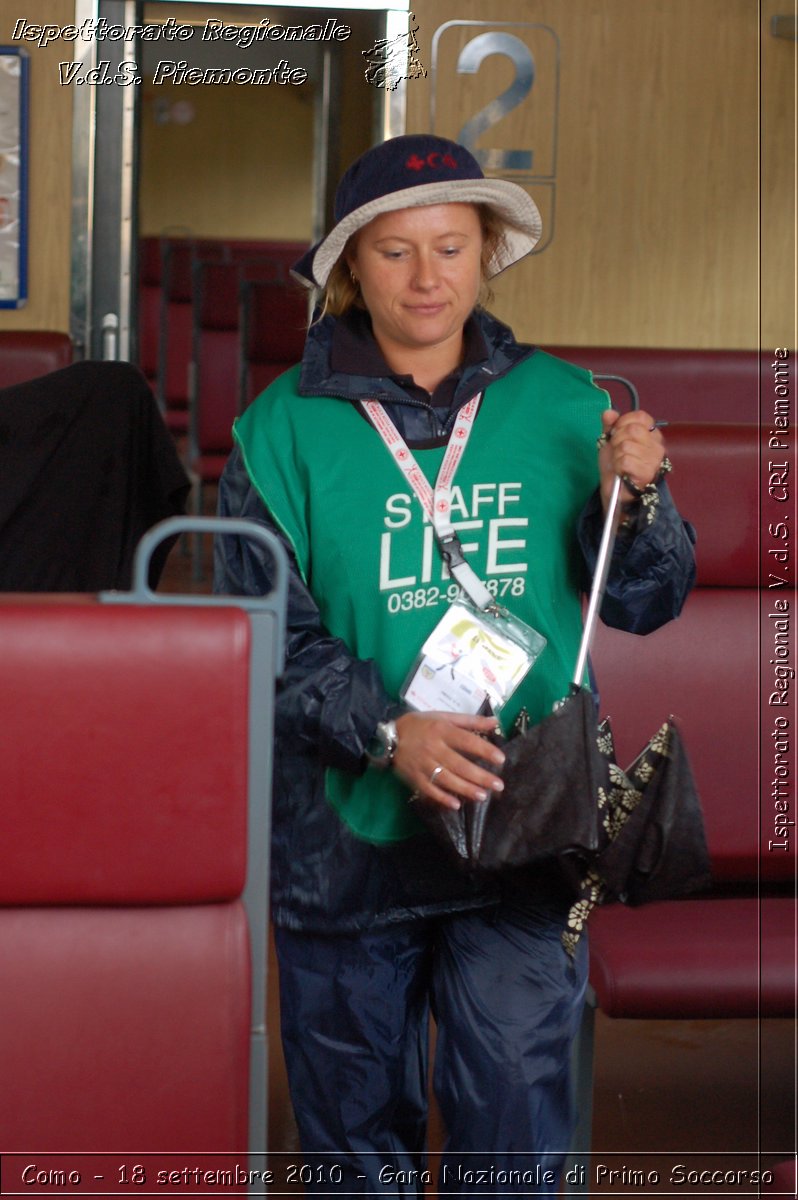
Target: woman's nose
425, 275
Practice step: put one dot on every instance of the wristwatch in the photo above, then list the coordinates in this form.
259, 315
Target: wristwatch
382, 746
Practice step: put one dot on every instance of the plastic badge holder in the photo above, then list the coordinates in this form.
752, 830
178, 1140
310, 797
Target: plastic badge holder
471, 658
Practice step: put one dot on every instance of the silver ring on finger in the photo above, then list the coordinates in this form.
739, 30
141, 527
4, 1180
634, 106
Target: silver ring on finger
436, 771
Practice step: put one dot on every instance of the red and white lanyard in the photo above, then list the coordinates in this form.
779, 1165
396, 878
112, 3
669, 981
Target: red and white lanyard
437, 502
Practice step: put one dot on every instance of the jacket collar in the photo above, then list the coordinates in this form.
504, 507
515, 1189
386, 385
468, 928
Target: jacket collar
492, 344
354, 348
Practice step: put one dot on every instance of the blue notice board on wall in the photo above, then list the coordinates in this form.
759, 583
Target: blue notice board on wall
13, 177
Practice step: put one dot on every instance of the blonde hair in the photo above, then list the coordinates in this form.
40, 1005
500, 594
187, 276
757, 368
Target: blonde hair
342, 291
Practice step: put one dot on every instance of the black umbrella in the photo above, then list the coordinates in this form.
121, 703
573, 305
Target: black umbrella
631, 835
652, 840
550, 771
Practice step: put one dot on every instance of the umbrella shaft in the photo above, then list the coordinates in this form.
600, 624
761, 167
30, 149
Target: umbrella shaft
599, 582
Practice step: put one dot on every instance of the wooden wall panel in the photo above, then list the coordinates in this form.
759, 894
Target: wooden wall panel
657, 185
778, 192
50, 171
665, 231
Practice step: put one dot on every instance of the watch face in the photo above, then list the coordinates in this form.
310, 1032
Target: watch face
377, 746
382, 745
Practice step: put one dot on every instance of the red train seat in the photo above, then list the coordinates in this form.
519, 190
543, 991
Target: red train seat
27, 354
682, 385
124, 1015
133, 901
731, 951
274, 319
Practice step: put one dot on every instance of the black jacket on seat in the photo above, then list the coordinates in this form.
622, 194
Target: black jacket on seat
87, 466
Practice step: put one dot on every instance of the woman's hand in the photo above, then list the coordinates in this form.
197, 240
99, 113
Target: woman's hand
451, 742
632, 446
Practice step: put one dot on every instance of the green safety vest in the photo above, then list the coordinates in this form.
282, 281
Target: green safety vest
368, 554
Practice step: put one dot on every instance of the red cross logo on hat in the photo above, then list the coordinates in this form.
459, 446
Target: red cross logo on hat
434, 160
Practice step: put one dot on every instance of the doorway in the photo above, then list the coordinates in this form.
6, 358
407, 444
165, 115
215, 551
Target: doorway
238, 124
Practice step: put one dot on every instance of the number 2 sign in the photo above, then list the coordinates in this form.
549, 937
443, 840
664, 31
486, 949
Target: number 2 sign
506, 76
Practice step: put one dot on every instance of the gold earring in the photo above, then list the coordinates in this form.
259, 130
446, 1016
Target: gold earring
353, 277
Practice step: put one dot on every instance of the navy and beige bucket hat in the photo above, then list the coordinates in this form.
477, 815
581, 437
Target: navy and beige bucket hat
413, 170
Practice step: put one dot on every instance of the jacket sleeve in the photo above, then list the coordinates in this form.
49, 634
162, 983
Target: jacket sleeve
652, 568
327, 701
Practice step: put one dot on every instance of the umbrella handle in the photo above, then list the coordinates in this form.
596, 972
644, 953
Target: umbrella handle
604, 553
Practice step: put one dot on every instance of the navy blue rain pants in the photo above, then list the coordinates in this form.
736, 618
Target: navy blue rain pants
507, 1002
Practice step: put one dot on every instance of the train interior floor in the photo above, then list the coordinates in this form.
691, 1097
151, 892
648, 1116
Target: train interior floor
671, 1098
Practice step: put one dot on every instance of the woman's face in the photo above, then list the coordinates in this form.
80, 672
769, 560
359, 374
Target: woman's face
420, 274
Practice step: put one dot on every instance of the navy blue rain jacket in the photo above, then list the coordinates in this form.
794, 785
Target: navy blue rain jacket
325, 879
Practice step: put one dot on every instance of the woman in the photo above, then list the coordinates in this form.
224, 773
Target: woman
374, 927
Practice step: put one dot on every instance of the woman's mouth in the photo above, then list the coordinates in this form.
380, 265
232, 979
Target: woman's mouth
425, 310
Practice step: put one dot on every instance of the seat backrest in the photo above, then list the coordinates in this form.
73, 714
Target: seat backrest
681, 385
283, 254
715, 485
124, 753
125, 1027
176, 322
125, 1006
174, 348
274, 318
149, 306
214, 386
704, 667
216, 315
27, 354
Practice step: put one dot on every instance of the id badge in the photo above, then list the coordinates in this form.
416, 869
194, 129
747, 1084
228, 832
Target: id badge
472, 656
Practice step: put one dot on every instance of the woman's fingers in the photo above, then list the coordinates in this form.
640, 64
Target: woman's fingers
632, 446
436, 756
